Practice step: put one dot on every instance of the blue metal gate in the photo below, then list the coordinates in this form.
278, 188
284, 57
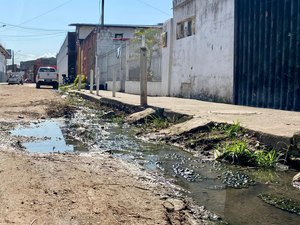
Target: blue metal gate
267, 53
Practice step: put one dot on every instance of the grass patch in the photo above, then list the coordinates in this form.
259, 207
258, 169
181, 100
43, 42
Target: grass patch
238, 152
230, 130
118, 119
154, 123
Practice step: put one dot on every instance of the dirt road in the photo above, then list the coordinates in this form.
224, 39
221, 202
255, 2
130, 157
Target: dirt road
67, 189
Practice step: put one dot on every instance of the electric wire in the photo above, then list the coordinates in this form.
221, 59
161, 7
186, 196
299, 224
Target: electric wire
153, 7
36, 17
38, 38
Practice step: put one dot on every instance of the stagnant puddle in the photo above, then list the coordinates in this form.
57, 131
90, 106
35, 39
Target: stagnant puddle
47, 135
208, 183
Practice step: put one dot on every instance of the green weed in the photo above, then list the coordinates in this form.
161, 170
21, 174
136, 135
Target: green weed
118, 119
232, 130
236, 153
156, 122
267, 159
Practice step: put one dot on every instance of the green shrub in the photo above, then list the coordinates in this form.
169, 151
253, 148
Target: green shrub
267, 159
83, 79
236, 153
231, 130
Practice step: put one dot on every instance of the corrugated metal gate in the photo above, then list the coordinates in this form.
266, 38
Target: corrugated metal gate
267, 53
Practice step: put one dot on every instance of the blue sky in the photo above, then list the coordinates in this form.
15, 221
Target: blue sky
36, 28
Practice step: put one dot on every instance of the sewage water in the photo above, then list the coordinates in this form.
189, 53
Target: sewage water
48, 135
201, 180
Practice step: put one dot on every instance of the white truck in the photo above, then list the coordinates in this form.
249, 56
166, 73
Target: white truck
47, 76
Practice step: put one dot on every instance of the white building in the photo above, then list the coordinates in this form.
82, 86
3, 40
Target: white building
66, 58
4, 55
198, 57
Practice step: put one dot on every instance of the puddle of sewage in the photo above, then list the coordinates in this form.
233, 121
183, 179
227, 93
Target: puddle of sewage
204, 184
202, 180
49, 137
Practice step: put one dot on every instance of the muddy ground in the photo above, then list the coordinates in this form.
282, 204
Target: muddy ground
66, 189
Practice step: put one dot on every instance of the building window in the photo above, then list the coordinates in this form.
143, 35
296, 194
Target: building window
164, 39
180, 30
185, 28
119, 36
189, 31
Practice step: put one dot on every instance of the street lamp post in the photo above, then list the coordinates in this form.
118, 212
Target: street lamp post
13, 59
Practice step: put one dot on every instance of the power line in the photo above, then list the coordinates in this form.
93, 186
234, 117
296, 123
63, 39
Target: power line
47, 12
29, 28
153, 7
32, 35
36, 17
40, 38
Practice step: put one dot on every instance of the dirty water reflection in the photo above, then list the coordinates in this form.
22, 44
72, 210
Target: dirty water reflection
47, 135
204, 181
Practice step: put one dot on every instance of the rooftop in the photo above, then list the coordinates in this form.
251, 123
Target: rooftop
4, 52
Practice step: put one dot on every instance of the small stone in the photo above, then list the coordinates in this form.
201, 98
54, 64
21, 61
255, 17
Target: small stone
296, 181
169, 207
178, 205
296, 139
80, 130
21, 117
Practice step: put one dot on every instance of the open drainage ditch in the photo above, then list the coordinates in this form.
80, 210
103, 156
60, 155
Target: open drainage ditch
229, 191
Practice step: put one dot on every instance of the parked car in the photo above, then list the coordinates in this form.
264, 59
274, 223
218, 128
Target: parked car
47, 76
15, 79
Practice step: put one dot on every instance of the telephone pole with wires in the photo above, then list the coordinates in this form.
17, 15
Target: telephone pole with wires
102, 14
99, 29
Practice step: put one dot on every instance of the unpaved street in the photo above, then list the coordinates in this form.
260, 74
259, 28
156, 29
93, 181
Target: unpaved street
67, 189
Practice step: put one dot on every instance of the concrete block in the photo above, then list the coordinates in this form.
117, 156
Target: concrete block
139, 116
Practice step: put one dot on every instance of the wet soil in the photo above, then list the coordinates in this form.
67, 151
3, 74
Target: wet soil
115, 179
83, 188
224, 189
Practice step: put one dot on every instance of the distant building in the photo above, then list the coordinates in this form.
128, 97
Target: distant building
66, 58
4, 55
11, 68
30, 67
93, 41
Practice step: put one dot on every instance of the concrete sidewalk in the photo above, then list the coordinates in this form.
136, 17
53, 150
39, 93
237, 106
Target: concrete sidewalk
275, 127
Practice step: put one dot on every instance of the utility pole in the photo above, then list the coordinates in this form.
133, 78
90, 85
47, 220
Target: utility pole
12, 61
97, 71
143, 75
102, 14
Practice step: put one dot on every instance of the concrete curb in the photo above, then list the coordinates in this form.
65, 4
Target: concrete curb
277, 142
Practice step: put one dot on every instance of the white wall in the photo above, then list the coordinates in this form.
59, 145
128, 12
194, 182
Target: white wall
167, 60
3, 76
62, 60
105, 43
84, 31
133, 87
202, 65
